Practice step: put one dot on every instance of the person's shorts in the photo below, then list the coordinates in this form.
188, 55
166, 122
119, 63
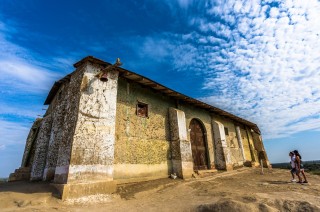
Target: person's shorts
293, 170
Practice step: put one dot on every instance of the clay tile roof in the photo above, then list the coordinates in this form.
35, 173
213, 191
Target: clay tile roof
155, 86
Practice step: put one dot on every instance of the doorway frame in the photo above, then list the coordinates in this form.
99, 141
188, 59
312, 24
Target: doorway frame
205, 143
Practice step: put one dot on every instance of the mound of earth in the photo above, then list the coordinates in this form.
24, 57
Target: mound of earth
239, 190
237, 206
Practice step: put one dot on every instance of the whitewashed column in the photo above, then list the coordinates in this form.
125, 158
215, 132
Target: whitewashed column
238, 133
222, 153
181, 153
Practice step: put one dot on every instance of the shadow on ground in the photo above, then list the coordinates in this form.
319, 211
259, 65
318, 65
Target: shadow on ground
27, 187
278, 182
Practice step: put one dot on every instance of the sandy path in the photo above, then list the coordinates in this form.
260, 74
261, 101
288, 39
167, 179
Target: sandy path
239, 190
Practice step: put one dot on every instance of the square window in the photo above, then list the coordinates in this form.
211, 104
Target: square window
142, 109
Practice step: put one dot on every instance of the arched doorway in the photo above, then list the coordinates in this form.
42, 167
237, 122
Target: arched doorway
198, 145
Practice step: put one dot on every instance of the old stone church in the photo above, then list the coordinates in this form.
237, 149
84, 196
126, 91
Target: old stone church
106, 125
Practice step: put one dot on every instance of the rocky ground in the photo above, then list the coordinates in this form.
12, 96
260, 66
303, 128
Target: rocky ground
239, 190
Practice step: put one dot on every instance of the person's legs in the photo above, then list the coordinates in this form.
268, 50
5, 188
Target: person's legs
304, 176
298, 174
292, 171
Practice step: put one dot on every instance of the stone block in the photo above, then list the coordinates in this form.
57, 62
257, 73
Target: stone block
181, 152
23, 173
76, 190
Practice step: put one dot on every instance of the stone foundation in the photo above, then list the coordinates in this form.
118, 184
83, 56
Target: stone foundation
76, 190
23, 173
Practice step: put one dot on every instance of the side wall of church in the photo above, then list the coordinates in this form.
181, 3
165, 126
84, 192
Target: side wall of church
142, 148
40, 154
30, 147
233, 146
57, 108
71, 109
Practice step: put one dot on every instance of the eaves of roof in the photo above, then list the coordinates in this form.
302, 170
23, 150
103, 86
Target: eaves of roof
129, 75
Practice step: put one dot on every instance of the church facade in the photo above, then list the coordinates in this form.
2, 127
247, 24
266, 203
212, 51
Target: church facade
106, 125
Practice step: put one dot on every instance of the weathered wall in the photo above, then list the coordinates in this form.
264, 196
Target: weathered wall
231, 140
239, 138
254, 152
258, 144
30, 147
204, 117
57, 109
92, 152
221, 150
72, 99
233, 144
142, 144
42, 142
246, 145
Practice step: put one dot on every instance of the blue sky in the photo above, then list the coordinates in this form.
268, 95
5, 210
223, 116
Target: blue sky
256, 59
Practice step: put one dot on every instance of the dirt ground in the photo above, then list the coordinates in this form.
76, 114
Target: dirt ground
239, 190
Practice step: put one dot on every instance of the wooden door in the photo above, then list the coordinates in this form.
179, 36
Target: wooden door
198, 146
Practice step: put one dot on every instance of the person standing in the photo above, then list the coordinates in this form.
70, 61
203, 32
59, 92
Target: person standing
293, 166
299, 167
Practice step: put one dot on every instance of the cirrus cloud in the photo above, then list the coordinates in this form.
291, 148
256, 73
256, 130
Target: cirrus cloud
259, 59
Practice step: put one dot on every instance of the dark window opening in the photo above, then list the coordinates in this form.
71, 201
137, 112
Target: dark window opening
226, 131
142, 109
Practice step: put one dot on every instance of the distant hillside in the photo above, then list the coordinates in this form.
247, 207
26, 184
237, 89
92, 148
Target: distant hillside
312, 167
3, 180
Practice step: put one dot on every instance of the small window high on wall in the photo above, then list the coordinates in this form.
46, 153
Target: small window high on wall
142, 109
226, 130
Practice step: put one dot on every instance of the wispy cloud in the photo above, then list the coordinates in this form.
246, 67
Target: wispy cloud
23, 79
273, 55
260, 60
29, 111
21, 75
159, 49
185, 3
19, 68
12, 133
